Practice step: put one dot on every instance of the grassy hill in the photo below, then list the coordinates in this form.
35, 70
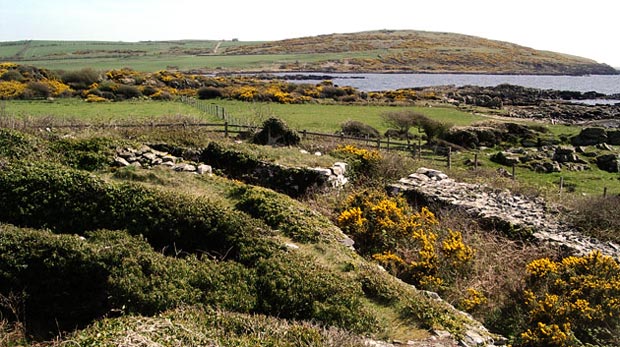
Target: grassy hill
372, 51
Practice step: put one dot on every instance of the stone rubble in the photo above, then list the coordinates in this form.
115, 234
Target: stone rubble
501, 208
147, 157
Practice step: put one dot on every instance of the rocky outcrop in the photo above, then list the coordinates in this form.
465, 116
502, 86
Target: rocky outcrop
515, 215
608, 162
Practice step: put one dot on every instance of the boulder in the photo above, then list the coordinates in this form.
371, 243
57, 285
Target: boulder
608, 162
613, 137
505, 158
204, 169
589, 137
565, 155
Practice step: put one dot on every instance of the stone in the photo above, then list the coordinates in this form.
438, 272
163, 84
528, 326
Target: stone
136, 164
303, 151
604, 147
291, 245
169, 158
120, 161
589, 137
318, 154
149, 155
505, 158
613, 137
608, 162
204, 169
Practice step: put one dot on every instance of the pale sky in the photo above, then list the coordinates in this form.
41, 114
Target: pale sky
585, 28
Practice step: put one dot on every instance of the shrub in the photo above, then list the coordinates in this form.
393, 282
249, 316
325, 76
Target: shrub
362, 162
11, 89
297, 287
80, 79
149, 90
66, 200
37, 90
17, 145
359, 129
12, 75
409, 244
128, 92
598, 216
69, 281
403, 120
209, 93
281, 212
572, 301
85, 154
275, 131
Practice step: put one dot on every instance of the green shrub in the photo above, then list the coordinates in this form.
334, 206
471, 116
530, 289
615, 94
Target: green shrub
598, 216
293, 286
209, 93
276, 132
85, 154
66, 200
127, 92
359, 129
37, 90
12, 75
280, 212
59, 278
80, 79
69, 281
18, 145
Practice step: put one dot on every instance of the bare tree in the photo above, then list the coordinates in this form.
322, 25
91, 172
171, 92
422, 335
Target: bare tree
403, 120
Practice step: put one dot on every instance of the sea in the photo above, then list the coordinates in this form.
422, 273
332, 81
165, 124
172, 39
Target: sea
606, 84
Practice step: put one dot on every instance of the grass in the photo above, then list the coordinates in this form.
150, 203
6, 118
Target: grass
98, 112
328, 118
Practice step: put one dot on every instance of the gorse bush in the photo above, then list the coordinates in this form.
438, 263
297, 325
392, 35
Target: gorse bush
66, 200
363, 163
572, 302
297, 287
409, 244
359, 129
65, 280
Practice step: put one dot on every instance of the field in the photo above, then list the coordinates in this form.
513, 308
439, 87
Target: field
311, 117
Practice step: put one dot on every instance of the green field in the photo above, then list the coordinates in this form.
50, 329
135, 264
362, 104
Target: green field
311, 117
99, 112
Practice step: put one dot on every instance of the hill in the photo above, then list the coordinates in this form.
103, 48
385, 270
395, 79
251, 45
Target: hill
371, 51
421, 51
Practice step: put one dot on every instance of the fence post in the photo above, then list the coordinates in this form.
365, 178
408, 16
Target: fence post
378, 143
561, 184
388, 143
341, 137
604, 192
476, 161
514, 176
303, 134
226, 129
449, 157
223, 113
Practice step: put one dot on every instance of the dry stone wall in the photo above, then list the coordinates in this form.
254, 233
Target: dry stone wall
512, 213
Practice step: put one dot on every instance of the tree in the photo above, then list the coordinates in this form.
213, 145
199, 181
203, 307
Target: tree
403, 120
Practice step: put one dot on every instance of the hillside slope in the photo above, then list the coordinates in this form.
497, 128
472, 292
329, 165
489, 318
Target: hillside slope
421, 51
371, 51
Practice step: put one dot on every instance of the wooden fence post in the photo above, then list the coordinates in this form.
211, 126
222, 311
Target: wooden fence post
388, 143
449, 157
604, 192
561, 184
226, 129
304, 134
476, 161
378, 143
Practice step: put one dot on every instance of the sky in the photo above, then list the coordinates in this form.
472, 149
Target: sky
584, 28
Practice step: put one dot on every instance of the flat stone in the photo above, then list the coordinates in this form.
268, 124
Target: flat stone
204, 169
120, 161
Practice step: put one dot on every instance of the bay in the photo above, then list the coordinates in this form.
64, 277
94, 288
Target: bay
606, 84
